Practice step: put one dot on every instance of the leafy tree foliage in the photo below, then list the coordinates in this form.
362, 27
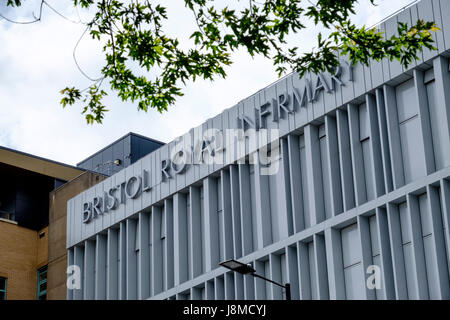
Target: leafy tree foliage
134, 31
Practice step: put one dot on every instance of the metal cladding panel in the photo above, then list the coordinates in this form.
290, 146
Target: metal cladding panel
391, 25
107, 157
136, 172
361, 192
359, 80
175, 177
203, 170
318, 105
107, 217
147, 190
127, 149
119, 179
354, 282
118, 151
300, 115
385, 61
269, 95
98, 223
140, 147
415, 17
348, 89
368, 78
164, 180
339, 88
444, 8
219, 159
376, 70
155, 176
285, 86
196, 133
309, 106
330, 99
425, 10
351, 250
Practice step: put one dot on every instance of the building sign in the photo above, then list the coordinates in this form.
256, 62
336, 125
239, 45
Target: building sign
129, 189
211, 144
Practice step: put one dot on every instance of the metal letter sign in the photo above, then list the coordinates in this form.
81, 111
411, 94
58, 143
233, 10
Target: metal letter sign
274, 109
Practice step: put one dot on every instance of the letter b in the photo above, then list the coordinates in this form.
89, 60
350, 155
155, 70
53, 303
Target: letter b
87, 212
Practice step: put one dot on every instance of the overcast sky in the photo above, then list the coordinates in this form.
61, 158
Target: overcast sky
36, 62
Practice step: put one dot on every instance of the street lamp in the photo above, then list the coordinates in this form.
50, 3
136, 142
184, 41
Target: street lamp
243, 268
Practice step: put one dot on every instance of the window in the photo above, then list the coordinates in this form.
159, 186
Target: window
42, 284
3, 288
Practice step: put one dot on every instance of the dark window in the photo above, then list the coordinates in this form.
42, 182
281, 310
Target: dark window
24, 196
42, 283
3, 288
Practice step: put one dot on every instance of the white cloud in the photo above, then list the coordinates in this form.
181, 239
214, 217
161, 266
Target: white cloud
36, 62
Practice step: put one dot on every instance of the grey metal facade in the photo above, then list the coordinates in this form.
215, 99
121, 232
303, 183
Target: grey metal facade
128, 149
363, 179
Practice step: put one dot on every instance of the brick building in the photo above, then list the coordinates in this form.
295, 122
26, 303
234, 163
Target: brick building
26, 181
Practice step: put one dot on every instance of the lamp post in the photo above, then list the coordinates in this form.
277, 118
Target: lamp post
244, 269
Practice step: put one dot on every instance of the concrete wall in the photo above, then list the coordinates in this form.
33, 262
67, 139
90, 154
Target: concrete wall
57, 253
22, 253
